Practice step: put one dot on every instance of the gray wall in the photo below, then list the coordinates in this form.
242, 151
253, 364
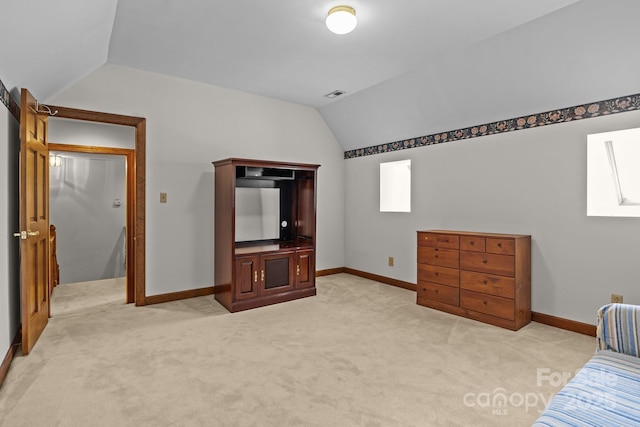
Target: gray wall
190, 125
9, 246
525, 182
90, 227
78, 132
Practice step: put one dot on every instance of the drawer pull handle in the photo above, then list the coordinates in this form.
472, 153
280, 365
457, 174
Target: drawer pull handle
472, 243
484, 282
436, 256
484, 261
437, 274
437, 290
499, 245
485, 302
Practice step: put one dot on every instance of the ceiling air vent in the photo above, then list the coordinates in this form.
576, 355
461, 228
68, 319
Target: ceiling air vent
335, 94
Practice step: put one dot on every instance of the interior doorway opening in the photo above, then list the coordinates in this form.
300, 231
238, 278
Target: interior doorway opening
84, 216
135, 188
88, 206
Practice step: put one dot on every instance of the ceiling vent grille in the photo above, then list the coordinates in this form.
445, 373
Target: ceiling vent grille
335, 94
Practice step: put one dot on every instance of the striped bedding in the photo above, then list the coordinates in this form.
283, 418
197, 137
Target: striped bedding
606, 391
618, 329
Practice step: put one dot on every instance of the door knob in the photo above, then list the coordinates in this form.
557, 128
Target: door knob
24, 234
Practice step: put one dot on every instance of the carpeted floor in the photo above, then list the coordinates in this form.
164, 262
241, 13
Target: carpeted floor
360, 353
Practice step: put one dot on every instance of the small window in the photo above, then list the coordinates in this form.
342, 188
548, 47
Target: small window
395, 186
613, 173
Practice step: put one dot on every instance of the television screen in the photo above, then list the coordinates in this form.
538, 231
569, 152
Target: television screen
257, 213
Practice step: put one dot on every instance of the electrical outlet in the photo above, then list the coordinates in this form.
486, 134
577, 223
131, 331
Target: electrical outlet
390, 261
163, 197
615, 298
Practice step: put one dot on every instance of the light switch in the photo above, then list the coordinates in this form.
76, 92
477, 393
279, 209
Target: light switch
163, 197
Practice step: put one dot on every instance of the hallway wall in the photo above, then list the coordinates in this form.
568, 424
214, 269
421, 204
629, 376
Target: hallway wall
90, 224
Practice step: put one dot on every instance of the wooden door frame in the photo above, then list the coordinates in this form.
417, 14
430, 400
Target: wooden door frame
136, 221
129, 154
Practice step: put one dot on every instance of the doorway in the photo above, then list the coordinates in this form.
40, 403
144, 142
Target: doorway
88, 207
135, 193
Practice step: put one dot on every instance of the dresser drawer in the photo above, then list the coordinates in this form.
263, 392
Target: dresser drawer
437, 256
472, 243
435, 274
500, 286
501, 246
439, 293
503, 265
434, 240
427, 239
448, 241
488, 304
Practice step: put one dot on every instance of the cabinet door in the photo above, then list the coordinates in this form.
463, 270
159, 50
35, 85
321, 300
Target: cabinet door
247, 280
277, 273
305, 269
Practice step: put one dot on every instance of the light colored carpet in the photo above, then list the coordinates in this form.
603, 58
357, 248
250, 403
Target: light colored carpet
360, 353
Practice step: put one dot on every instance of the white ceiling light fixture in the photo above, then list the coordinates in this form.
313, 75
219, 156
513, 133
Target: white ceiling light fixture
342, 19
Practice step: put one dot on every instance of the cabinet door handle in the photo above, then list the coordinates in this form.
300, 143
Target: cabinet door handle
262, 275
298, 269
255, 276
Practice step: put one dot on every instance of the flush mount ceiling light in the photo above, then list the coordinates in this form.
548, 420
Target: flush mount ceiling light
342, 19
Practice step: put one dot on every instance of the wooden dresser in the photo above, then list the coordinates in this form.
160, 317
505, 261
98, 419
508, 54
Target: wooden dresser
486, 277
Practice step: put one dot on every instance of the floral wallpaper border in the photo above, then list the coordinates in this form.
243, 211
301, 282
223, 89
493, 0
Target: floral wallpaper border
9, 101
4, 94
578, 112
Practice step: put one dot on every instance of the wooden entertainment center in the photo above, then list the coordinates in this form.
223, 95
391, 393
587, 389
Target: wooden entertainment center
265, 232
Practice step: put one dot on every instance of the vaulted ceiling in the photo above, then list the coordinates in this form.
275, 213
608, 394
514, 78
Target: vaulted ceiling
279, 49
